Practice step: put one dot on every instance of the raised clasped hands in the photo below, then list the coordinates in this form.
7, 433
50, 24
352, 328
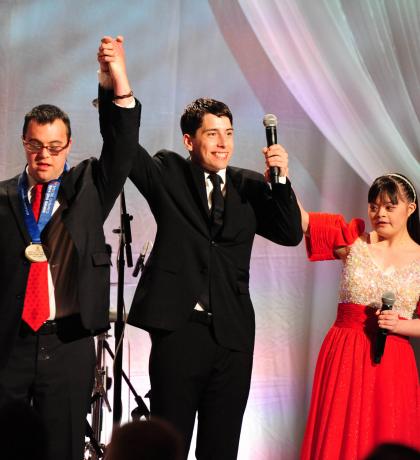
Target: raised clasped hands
111, 55
111, 58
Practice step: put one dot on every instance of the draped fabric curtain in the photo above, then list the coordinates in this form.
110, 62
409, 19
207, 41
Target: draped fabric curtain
354, 67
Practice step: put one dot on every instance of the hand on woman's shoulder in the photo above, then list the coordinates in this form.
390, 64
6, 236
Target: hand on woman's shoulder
343, 251
367, 237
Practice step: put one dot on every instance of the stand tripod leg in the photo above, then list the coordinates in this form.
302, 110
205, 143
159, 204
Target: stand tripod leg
96, 451
142, 410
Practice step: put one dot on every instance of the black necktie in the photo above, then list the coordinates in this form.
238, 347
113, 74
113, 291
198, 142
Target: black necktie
218, 204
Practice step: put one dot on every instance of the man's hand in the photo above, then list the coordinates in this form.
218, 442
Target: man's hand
275, 155
111, 58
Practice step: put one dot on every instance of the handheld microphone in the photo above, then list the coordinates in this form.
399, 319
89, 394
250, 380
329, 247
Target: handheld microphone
388, 300
270, 123
140, 261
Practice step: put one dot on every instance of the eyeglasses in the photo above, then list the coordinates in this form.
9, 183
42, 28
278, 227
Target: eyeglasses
36, 147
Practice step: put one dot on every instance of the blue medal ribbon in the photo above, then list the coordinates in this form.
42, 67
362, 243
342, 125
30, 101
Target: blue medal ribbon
35, 228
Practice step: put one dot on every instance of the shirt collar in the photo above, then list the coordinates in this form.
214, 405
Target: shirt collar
31, 180
221, 173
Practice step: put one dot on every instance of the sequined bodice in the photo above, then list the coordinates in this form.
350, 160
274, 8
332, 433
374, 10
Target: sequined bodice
363, 282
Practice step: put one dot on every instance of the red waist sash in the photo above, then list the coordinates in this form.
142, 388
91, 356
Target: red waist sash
360, 317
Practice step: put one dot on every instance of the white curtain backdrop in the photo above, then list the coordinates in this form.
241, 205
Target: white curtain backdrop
354, 67
343, 79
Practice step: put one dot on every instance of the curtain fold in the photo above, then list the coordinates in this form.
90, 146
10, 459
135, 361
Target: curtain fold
354, 68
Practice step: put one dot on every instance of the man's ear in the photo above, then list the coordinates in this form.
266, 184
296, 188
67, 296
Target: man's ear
68, 148
188, 142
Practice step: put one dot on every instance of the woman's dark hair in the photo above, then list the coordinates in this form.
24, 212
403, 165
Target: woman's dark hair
394, 185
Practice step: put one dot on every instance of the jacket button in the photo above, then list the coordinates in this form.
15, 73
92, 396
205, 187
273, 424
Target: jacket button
213, 243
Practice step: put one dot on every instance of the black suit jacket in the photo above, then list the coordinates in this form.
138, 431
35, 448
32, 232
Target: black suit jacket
89, 191
185, 258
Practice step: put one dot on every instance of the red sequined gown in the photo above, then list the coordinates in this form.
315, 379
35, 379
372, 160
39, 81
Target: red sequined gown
355, 403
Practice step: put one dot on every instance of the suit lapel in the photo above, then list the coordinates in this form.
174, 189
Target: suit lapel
234, 209
199, 187
233, 204
15, 204
67, 187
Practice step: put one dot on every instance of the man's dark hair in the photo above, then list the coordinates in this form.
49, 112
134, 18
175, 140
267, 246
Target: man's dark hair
193, 115
45, 114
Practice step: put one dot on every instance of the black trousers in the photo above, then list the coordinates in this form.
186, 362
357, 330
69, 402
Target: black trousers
53, 371
191, 374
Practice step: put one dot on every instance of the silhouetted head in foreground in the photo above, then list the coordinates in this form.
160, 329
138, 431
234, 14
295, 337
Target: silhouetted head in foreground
145, 440
393, 451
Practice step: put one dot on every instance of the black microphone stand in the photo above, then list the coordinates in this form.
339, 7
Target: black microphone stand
125, 242
124, 248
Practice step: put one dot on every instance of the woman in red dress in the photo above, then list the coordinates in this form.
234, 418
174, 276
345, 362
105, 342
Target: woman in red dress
357, 404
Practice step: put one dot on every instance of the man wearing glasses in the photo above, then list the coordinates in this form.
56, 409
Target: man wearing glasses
54, 275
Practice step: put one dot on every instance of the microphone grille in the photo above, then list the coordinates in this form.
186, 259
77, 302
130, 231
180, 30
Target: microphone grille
269, 120
388, 298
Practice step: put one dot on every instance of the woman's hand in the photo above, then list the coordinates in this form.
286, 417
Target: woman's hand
388, 319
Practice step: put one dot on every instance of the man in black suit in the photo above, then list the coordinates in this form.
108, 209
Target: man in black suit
54, 275
193, 296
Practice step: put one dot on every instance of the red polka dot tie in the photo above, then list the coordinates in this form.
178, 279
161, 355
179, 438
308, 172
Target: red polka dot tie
36, 309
